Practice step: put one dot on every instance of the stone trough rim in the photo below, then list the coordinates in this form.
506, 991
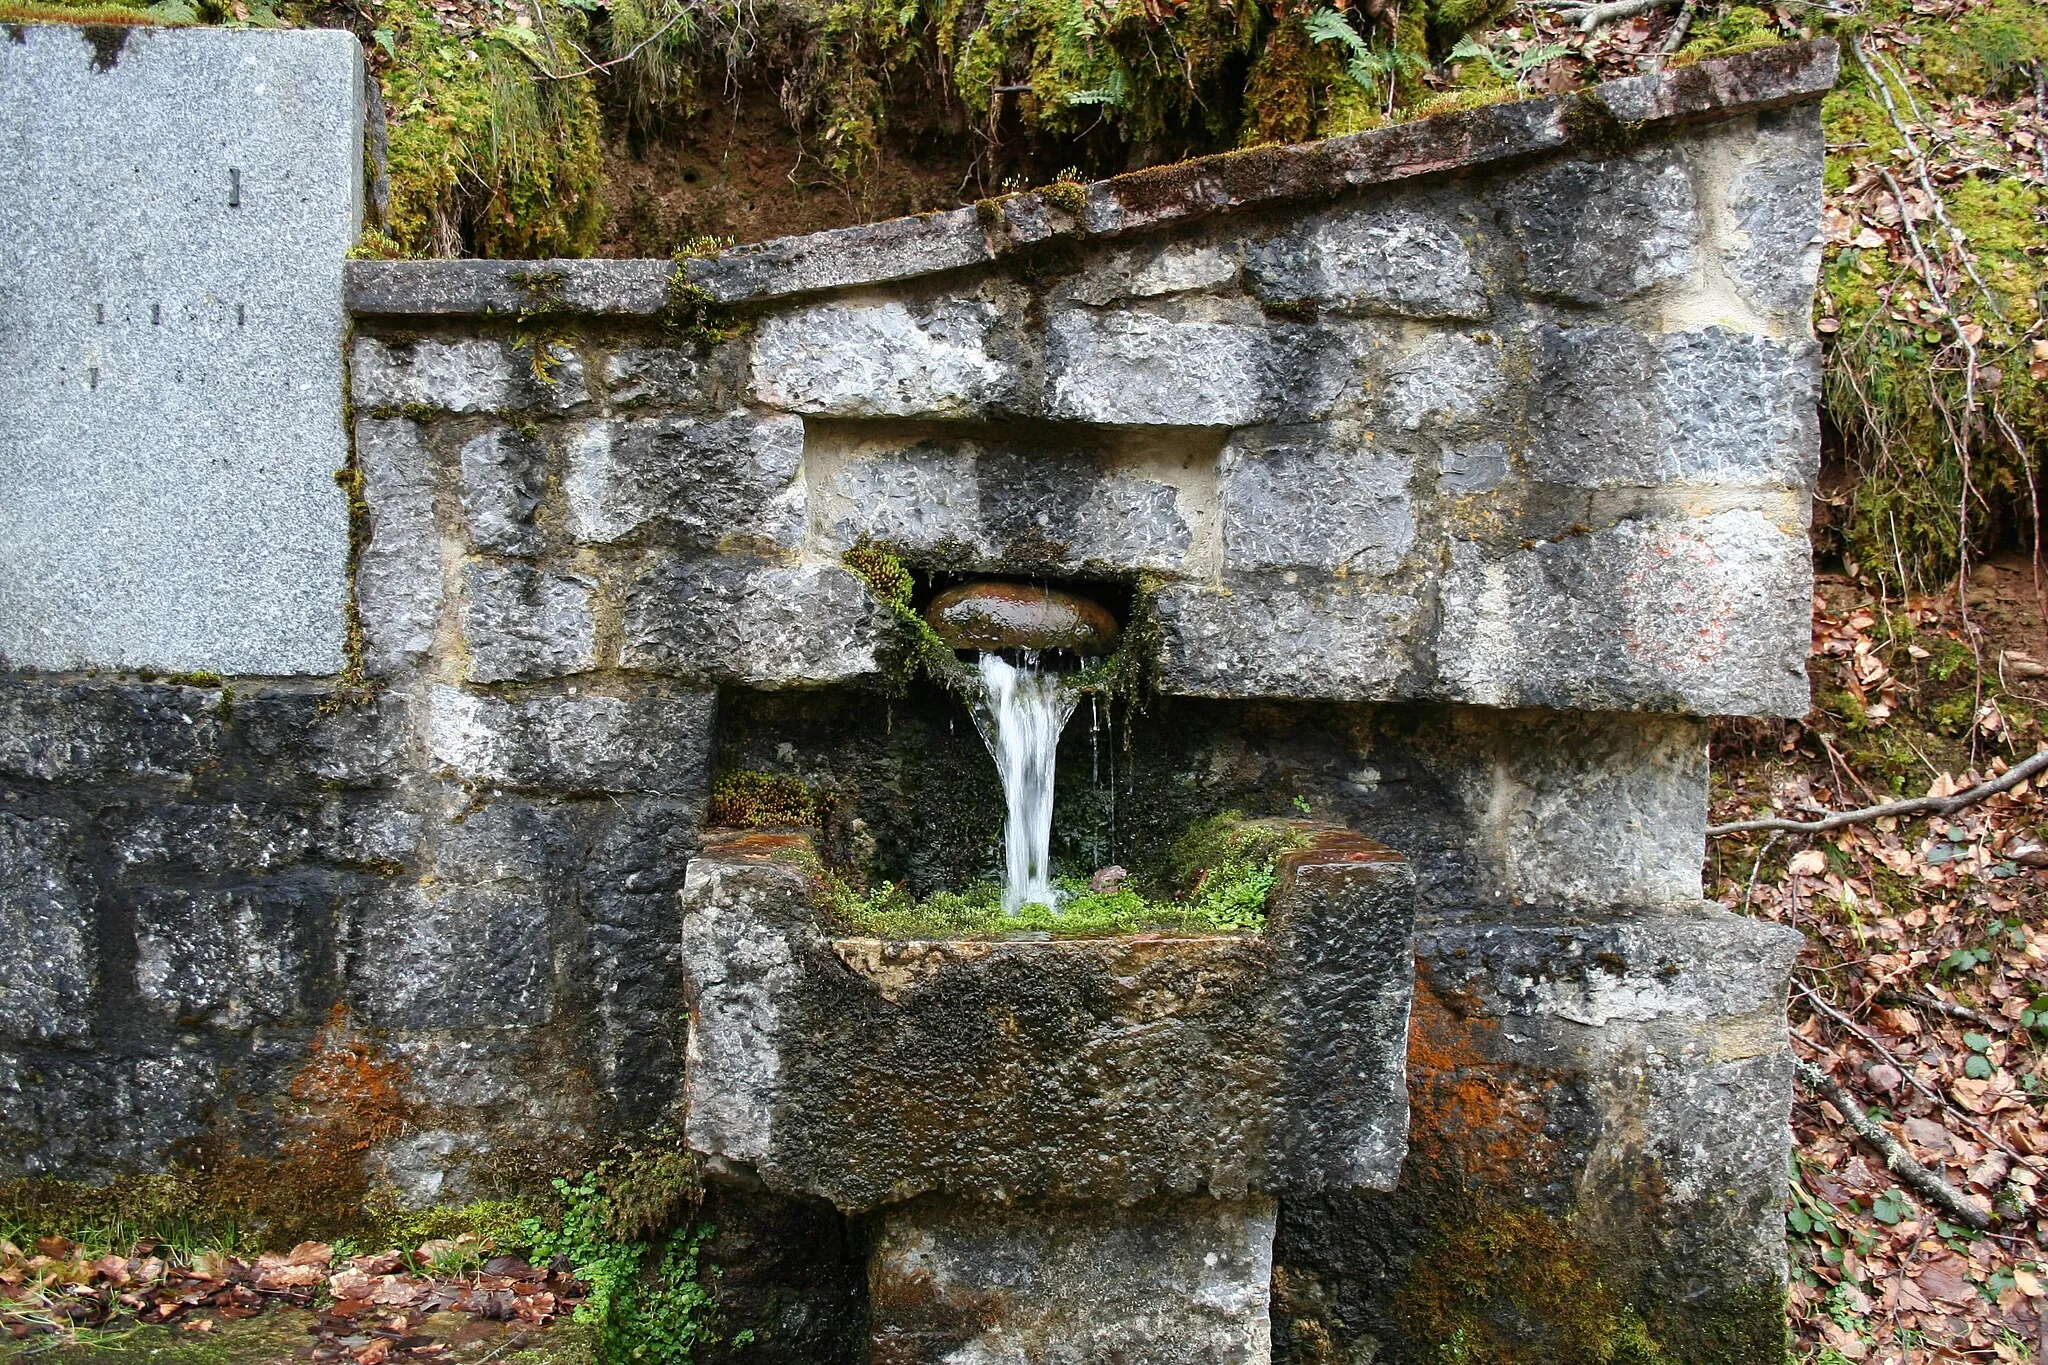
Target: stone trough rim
1127, 205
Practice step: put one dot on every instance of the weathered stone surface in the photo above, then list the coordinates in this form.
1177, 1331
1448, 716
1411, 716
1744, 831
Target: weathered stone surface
1079, 509
1707, 616
1007, 615
869, 1072
1141, 369
574, 741
1625, 1083
1015, 504
1154, 271
174, 418
519, 622
803, 625
1477, 467
1604, 231
76, 1116
47, 936
1774, 196
85, 732
1317, 497
504, 478
239, 956
467, 374
885, 360
1450, 380
457, 957
1374, 258
398, 575
892, 250
507, 288
902, 248
1614, 407
1260, 635
1170, 1280
663, 376
701, 483
1599, 809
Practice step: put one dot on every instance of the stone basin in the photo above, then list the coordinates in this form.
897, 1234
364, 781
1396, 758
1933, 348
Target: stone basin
993, 615
992, 1101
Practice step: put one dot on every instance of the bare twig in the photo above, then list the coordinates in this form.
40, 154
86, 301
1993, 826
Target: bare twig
1940, 1006
1938, 805
1955, 236
1819, 1006
594, 67
1930, 1187
1680, 26
1591, 17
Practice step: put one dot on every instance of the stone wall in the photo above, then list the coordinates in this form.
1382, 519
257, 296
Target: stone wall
1465, 465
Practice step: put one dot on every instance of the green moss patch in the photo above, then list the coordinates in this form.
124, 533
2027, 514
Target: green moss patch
1217, 880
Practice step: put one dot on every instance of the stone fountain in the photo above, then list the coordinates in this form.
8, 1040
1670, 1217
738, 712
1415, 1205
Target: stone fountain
1444, 480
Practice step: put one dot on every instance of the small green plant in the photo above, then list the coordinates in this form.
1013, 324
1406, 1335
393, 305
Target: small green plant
628, 1229
1515, 68
1371, 68
758, 800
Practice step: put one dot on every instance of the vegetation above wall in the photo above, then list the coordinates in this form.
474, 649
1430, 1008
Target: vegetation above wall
532, 128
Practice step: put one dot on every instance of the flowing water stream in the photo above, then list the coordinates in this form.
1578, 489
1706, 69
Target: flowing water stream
1020, 713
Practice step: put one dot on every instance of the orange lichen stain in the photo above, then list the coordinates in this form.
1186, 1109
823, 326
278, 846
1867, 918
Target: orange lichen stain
1474, 1121
343, 1100
350, 1096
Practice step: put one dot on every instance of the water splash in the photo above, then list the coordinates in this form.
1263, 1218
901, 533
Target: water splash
1020, 714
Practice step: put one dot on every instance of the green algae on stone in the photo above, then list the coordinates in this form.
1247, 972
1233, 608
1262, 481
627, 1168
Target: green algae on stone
1217, 880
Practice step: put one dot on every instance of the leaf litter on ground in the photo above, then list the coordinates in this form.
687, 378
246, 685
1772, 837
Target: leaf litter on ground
390, 1306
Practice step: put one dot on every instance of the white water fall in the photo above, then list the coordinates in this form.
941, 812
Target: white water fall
1020, 714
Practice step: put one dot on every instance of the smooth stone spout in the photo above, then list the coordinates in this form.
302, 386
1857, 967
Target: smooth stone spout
991, 616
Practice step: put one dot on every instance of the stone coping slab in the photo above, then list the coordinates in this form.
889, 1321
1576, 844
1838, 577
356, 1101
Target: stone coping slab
1113, 1069
902, 248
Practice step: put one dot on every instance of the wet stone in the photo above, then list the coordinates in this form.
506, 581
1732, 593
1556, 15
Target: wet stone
238, 956
47, 928
867, 1071
997, 616
1185, 1281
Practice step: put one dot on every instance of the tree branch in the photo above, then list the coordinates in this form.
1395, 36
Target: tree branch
1940, 1006
1961, 242
1938, 805
1813, 1002
1931, 1188
1591, 17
